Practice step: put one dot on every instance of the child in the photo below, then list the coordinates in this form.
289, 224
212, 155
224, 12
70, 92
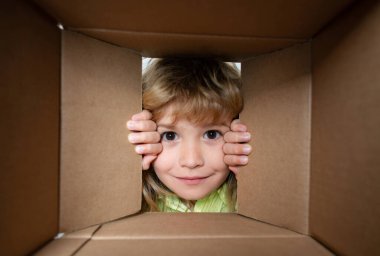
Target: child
186, 131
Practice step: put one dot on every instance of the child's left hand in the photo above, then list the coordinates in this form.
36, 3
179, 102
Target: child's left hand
236, 148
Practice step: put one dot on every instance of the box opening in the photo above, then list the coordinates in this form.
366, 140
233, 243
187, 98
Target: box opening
198, 98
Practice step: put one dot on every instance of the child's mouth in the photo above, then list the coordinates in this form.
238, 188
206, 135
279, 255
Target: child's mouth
192, 180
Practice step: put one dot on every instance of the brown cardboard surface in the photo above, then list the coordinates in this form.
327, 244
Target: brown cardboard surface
100, 173
290, 19
100, 178
29, 128
192, 225
69, 243
83, 233
345, 181
61, 247
231, 29
232, 48
301, 245
274, 187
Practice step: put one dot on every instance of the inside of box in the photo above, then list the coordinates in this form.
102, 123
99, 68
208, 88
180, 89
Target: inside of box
345, 149
274, 187
29, 127
344, 101
278, 88
234, 31
95, 99
185, 234
101, 89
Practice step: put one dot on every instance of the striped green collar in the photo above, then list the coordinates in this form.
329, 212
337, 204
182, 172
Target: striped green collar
215, 202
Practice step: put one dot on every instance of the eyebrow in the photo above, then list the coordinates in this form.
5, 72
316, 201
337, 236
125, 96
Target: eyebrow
209, 126
167, 126
218, 126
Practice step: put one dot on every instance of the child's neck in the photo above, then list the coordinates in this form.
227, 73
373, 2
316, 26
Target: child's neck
192, 204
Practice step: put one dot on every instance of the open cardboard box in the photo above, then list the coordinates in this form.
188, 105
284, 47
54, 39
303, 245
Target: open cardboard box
312, 98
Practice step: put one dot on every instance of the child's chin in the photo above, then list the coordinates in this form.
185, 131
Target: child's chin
192, 197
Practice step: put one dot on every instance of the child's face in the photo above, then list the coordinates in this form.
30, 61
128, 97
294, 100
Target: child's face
191, 163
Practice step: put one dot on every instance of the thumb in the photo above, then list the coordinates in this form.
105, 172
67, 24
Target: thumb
147, 160
234, 169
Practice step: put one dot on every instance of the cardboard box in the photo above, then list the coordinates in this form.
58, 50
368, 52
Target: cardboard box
311, 84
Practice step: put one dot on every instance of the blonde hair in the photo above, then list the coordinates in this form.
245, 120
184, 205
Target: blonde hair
203, 91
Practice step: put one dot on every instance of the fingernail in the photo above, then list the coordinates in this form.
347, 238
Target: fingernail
132, 138
139, 149
131, 124
247, 149
246, 136
243, 159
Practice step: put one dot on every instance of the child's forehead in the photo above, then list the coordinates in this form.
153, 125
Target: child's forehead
173, 120
175, 112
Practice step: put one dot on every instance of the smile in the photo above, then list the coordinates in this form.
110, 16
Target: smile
192, 180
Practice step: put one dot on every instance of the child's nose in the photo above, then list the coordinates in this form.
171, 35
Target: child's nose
191, 155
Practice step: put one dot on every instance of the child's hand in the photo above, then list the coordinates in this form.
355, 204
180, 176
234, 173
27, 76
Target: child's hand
236, 148
145, 137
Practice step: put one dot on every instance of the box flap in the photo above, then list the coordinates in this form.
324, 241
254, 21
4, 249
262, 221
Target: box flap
69, 243
100, 172
197, 234
29, 127
216, 17
83, 233
345, 178
285, 246
62, 247
274, 187
147, 22
230, 48
157, 225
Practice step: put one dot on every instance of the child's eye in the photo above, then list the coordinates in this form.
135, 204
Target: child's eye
212, 134
169, 136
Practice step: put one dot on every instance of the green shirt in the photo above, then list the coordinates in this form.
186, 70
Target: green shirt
215, 202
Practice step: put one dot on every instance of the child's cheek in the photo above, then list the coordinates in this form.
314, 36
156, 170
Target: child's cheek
215, 155
166, 159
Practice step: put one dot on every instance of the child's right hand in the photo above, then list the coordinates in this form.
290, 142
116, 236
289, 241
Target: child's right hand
145, 137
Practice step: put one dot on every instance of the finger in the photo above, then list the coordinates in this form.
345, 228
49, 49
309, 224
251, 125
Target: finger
143, 115
238, 126
142, 126
234, 169
237, 149
149, 149
147, 160
144, 137
237, 137
234, 160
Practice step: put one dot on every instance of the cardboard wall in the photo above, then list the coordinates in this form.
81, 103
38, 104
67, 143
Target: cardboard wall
233, 31
274, 187
187, 234
100, 172
69, 244
345, 178
271, 19
29, 128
